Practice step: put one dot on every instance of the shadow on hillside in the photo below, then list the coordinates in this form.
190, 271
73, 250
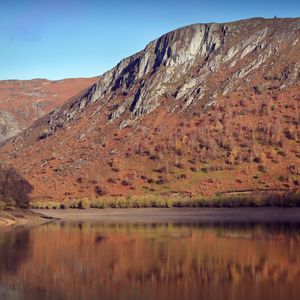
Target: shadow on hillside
14, 189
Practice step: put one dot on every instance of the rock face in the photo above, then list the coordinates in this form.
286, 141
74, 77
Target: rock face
194, 64
9, 126
218, 73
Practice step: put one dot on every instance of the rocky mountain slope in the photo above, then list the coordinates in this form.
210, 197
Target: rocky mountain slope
24, 101
205, 109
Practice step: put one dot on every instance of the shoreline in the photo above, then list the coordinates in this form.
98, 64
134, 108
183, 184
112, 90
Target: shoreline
289, 198
18, 217
176, 215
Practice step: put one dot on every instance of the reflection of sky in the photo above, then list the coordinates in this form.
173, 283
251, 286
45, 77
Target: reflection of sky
64, 38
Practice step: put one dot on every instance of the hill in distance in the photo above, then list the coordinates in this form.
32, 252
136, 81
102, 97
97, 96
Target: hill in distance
24, 101
203, 110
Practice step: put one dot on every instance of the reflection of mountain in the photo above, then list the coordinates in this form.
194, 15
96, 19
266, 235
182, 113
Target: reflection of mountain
16, 250
89, 261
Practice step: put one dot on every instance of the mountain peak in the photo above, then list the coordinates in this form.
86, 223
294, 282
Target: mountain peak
219, 72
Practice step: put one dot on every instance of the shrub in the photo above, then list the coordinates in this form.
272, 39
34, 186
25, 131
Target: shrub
290, 134
259, 89
160, 170
169, 203
283, 178
179, 165
160, 181
126, 182
111, 180
282, 153
99, 203
83, 203
99, 191
262, 168
181, 176
79, 180
153, 157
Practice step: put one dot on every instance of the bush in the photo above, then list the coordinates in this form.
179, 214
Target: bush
99, 203
179, 165
99, 191
169, 203
262, 169
259, 89
111, 180
83, 203
181, 176
126, 182
160, 181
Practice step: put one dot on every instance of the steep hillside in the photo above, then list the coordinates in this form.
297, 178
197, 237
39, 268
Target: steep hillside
205, 109
24, 101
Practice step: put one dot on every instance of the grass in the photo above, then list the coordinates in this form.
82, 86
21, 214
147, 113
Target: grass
288, 199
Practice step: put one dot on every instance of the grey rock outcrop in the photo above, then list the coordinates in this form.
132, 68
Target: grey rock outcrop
181, 63
195, 63
8, 126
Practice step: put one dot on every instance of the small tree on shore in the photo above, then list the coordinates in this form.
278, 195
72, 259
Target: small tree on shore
14, 189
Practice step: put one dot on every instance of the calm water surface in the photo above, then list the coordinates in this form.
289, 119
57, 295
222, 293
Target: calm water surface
152, 261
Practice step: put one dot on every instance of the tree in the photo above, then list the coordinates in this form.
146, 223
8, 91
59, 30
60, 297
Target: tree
14, 189
232, 155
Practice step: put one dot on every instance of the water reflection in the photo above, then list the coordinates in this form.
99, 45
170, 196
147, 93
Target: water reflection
159, 261
14, 250
14, 247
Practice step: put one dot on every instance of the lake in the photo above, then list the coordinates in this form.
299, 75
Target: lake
160, 260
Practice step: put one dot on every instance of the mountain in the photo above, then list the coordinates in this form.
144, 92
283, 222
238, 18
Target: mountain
24, 101
203, 110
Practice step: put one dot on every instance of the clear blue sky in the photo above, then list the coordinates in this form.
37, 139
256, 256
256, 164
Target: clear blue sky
56, 39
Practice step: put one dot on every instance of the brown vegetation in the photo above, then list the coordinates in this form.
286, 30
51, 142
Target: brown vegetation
244, 139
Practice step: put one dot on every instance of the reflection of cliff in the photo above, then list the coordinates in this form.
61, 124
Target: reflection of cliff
14, 250
161, 262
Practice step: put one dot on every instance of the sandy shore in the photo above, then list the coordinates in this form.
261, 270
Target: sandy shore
17, 216
180, 215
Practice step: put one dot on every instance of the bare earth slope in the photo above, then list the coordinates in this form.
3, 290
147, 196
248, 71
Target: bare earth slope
24, 101
205, 109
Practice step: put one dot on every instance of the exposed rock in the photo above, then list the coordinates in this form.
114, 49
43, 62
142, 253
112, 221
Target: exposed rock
195, 63
8, 126
117, 113
203, 49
